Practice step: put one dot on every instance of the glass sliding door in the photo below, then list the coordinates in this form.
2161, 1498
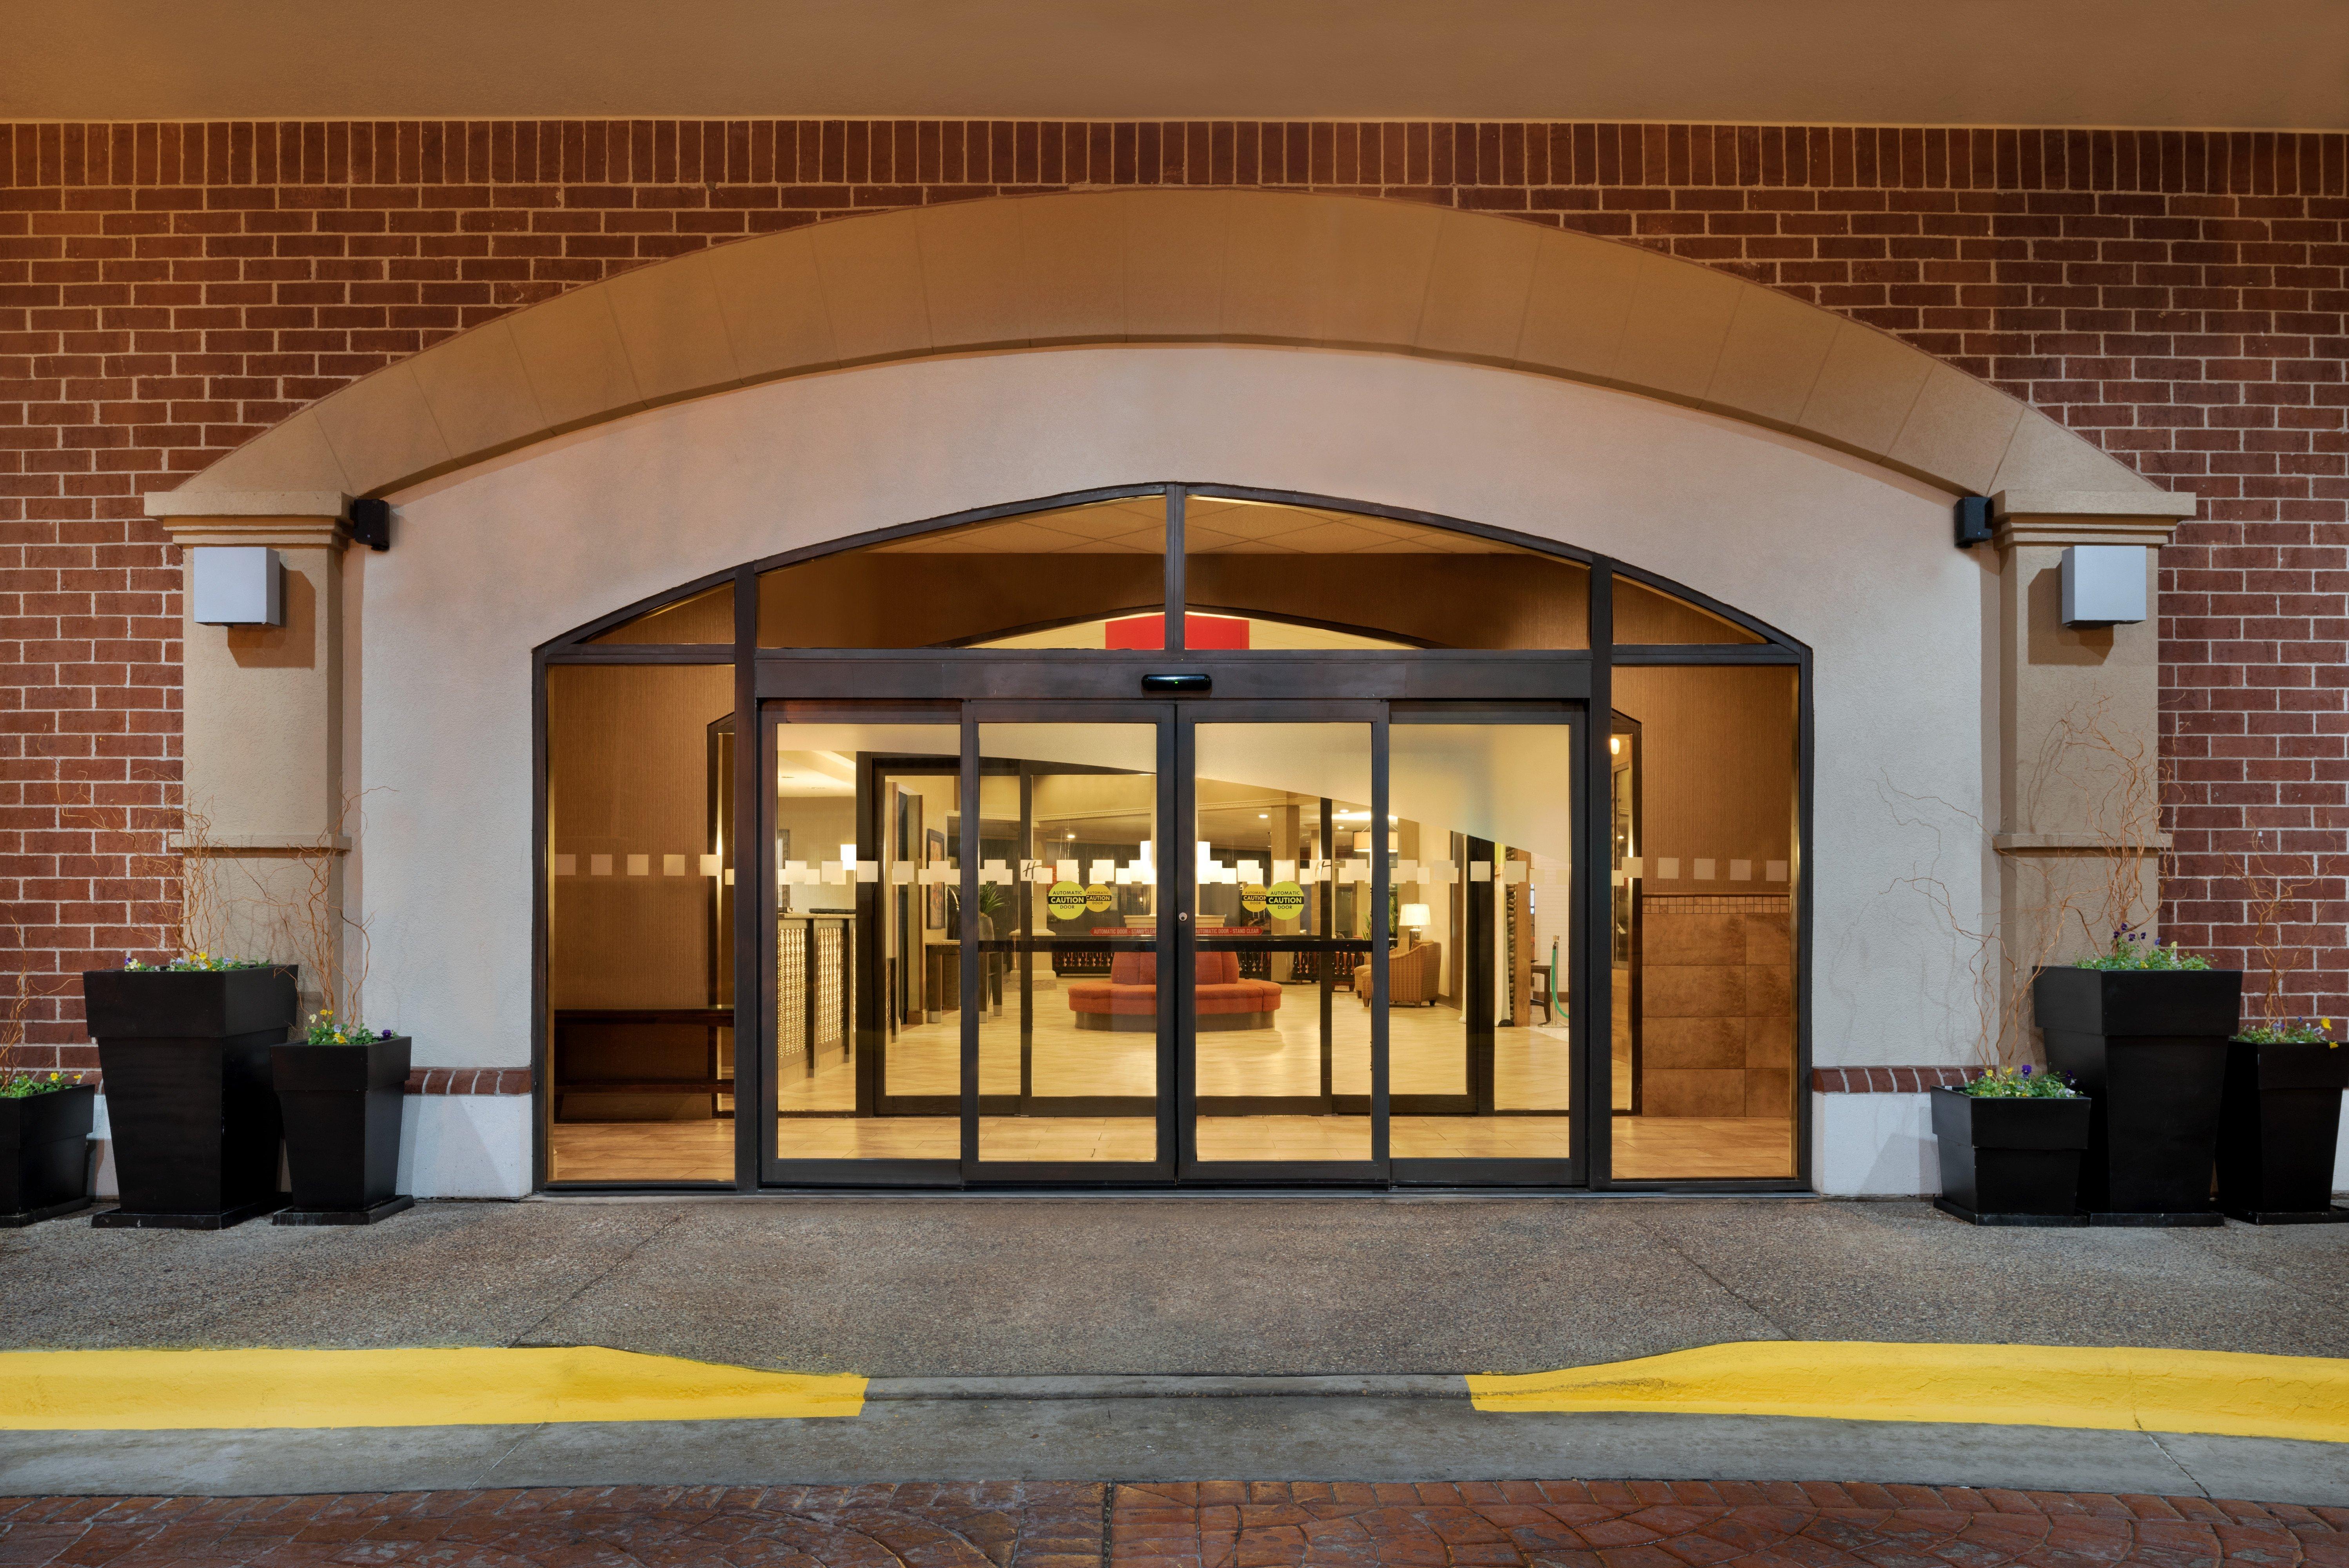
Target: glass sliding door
861, 988
1070, 1030
1482, 985
1284, 1021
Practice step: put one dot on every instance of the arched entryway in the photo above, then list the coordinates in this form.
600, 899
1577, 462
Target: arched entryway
1333, 763
796, 391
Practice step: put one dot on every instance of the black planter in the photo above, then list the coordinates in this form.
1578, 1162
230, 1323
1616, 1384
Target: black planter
44, 1155
342, 1107
2009, 1162
2277, 1132
185, 1058
2149, 1048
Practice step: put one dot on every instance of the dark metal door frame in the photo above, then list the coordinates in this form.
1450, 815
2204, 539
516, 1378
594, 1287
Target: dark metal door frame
976, 1171
883, 677
1287, 1173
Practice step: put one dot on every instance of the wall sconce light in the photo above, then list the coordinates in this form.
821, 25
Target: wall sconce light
2104, 584
236, 585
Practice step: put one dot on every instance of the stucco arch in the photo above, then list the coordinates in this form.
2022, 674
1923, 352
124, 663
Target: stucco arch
1163, 265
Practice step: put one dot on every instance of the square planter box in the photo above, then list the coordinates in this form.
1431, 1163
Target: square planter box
2149, 1048
2009, 1162
2277, 1126
185, 1056
187, 1005
342, 1107
44, 1154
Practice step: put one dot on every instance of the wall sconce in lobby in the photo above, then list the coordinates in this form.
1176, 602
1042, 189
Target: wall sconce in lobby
236, 585
2104, 584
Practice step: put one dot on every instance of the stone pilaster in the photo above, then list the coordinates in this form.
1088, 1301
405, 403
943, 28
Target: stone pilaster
2079, 725
263, 723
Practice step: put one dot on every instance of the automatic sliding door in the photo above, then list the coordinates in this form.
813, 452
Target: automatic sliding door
1483, 1021
1071, 1013
860, 983
1283, 1015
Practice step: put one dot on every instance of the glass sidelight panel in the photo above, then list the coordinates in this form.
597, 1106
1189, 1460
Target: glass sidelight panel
865, 985
640, 907
1705, 801
1483, 847
1071, 1010
1282, 998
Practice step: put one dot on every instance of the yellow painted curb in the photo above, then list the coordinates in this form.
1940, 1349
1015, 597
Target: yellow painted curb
155, 1390
2222, 1392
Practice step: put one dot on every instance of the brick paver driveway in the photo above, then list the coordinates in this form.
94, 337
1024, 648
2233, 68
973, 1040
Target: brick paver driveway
1601, 1524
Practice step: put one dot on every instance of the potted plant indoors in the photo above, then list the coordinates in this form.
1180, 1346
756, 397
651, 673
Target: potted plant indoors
2011, 1141
2142, 1031
183, 1048
342, 1090
2280, 1119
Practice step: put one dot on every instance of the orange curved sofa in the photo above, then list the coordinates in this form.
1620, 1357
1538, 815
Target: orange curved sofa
1128, 999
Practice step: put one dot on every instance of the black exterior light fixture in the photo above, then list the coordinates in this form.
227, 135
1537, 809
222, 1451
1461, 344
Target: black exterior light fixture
1973, 520
370, 523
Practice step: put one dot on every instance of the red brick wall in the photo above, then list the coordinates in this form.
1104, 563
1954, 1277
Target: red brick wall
168, 291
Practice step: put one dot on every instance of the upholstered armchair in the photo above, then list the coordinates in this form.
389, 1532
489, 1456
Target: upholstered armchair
1414, 979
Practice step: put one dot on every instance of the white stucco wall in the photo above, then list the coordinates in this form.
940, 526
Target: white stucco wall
465, 1146
490, 561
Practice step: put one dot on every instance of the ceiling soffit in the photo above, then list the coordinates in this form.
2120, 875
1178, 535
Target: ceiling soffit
2141, 64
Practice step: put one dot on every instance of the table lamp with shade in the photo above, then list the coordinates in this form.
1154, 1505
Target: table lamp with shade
1415, 918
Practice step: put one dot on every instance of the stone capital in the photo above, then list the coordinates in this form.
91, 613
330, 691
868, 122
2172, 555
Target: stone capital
284, 519
2058, 518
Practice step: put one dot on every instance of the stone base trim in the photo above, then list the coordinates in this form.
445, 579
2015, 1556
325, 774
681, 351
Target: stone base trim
469, 1080
1887, 1080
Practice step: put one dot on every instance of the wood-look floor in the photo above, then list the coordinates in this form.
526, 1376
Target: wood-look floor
1427, 1053
1646, 1147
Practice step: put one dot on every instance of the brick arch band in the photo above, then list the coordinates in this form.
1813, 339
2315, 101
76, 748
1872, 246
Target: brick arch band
1171, 266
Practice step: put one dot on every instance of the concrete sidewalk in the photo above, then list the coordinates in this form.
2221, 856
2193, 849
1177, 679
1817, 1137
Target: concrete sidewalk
982, 1286
985, 1429
1087, 1339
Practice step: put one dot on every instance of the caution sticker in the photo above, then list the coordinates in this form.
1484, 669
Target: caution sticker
1098, 898
1252, 897
1065, 901
1286, 899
